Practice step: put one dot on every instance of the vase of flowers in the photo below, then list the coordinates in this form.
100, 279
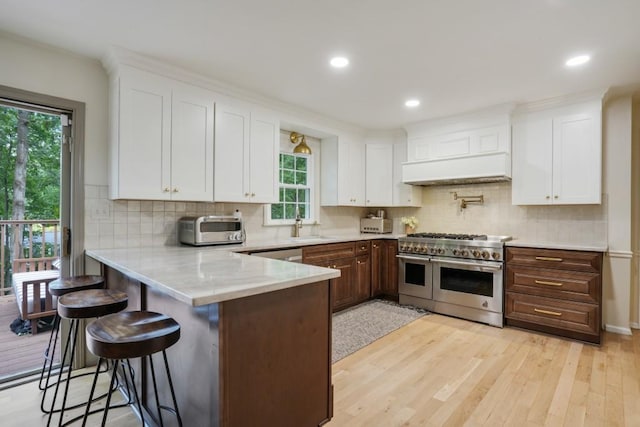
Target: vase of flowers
410, 223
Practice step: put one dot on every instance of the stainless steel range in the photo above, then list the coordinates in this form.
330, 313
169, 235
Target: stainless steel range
455, 274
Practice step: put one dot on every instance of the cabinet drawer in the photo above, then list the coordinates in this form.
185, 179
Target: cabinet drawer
565, 315
329, 251
363, 247
556, 259
565, 285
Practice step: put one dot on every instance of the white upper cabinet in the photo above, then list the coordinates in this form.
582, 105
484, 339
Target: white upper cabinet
246, 156
385, 154
403, 194
557, 155
342, 172
379, 174
161, 144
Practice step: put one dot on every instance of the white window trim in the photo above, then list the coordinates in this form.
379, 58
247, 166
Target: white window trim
313, 177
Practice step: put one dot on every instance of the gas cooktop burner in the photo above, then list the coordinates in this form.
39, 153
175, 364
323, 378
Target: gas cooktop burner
449, 236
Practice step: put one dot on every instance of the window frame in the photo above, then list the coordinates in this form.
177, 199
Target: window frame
312, 183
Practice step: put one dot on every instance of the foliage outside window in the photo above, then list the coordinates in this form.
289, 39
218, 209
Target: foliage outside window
295, 193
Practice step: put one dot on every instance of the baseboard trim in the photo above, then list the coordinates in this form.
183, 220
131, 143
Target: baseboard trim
635, 325
618, 329
620, 254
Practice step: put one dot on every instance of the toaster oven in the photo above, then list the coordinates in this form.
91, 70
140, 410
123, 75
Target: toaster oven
210, 230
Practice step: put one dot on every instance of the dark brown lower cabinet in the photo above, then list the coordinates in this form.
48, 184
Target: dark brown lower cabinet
555, 291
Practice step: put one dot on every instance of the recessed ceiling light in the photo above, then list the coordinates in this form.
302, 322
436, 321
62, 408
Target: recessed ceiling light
412, 103
577, 60
339, 62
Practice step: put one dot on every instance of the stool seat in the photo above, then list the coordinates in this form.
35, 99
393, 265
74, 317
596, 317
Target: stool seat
131, 334
91, 303
64, 285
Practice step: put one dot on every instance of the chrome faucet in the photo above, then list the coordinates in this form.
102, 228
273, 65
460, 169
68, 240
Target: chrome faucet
298, 224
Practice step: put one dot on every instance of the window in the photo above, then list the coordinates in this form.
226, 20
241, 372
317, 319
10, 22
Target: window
296, 189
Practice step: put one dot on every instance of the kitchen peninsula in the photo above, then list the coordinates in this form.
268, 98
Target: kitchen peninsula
255, 346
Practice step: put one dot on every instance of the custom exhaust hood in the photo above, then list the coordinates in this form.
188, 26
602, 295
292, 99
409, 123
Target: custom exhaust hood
463, 149
494, 167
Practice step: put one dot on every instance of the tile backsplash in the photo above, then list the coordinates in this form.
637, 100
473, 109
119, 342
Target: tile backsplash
569, 223
134, 223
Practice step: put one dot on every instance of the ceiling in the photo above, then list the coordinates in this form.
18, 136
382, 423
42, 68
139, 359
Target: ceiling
453, 55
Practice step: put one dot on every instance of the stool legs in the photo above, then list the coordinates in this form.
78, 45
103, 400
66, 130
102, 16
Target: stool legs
49, 356
129, 378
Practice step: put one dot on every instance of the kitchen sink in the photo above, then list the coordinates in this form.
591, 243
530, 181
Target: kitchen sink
310, 238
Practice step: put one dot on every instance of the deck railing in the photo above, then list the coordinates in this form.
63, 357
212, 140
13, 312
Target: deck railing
27, 245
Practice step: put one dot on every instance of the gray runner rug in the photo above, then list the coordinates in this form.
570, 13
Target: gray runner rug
361, 325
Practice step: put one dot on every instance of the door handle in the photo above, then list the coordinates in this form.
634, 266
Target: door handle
66, 241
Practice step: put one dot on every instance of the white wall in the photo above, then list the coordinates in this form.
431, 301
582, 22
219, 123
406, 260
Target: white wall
37, 68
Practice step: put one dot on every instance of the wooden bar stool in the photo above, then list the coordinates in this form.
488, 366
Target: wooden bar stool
127, 335
77, 306
58, 288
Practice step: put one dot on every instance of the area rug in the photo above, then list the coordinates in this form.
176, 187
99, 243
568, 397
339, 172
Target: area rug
359, 326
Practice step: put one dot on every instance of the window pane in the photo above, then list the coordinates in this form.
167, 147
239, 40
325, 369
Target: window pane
301, 178
290, 195
288, 161
301, 163
281, 195
303, 211
289, 211
277, 211
302, 195
288, 176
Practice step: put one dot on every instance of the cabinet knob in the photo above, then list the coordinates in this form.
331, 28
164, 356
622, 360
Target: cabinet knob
375, 246
555, 197
246, 194
166, 190
175, 190
359, 262
253, 194
547, 197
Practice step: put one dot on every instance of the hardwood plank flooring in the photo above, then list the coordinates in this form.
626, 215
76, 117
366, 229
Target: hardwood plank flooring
18, 354
442, 371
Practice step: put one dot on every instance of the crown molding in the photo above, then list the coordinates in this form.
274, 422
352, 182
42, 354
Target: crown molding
562, 101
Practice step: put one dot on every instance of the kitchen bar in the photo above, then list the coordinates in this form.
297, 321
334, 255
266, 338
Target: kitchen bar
256, 332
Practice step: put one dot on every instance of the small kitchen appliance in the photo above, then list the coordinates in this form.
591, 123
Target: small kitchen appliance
211, 230
376, 225
460, 275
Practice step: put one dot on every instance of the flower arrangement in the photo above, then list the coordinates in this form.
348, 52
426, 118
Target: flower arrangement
410, 222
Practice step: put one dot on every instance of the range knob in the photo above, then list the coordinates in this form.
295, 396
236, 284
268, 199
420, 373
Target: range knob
464, 252
486, 254
432, 250
440, 251
424, 249
495, 255
455, 252
416, 248
475, 253
403, 247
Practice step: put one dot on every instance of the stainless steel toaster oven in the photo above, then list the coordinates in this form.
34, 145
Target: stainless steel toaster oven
210, 230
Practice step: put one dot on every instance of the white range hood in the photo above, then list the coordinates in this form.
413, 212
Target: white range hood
491, 167
467, 148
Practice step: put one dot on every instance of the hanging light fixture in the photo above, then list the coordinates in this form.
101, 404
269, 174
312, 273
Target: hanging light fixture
302, 147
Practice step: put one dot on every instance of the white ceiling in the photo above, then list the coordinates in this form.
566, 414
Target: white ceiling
454, 55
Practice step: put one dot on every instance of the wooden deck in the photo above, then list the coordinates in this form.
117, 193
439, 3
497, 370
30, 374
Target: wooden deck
18, 354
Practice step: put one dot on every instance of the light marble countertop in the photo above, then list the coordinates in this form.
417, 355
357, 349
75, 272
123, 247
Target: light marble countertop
591, 246
211, 274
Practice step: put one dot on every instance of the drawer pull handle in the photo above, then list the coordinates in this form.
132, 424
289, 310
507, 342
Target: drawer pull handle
546, 258
544, 282
552, 313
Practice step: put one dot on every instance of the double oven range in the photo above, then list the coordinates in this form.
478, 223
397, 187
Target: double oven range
455, 274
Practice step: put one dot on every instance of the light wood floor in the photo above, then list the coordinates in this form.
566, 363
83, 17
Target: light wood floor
446, 371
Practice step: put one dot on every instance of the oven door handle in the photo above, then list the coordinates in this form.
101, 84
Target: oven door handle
413, 258
484, 265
